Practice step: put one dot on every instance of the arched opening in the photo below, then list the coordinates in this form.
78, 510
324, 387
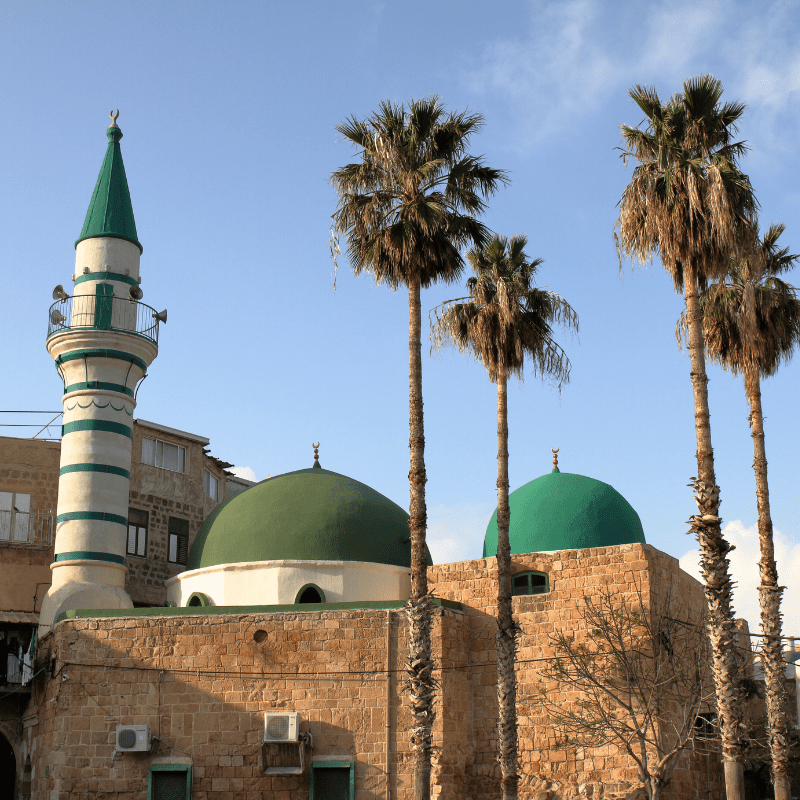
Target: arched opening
310, 593
8, 768
198, 600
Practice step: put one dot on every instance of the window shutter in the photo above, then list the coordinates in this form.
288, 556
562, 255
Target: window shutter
331, 783
169, 786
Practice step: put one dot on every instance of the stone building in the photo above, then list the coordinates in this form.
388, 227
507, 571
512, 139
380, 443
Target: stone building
204, 638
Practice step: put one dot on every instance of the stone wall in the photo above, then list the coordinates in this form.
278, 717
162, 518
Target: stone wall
163, 493
29, 466
550, 772
202, 682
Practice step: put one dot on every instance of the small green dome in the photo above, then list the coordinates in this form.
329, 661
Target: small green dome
563, 511
311, 515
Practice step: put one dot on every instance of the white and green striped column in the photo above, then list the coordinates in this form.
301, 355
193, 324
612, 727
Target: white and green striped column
102, 348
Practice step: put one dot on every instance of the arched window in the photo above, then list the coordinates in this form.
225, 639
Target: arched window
530, 583
198, 600
310, 593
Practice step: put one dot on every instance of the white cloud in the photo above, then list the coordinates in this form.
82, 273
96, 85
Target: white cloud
455, 533
579, 56
244, 472
744, 570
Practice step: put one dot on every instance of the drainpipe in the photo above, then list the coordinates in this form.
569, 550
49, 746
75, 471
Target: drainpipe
388, 696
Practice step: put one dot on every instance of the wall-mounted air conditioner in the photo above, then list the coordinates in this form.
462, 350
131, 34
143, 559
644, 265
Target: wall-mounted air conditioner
133, 738
281, 726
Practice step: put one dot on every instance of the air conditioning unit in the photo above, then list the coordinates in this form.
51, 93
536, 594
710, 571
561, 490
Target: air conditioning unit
133, 738
281, 726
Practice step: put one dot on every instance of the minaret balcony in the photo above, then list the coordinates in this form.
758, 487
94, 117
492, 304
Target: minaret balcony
104, 313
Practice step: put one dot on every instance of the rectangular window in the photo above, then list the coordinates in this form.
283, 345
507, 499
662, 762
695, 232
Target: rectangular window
169, 782
15, 517
178, 541
529, 583
137, 533
163, 454
332, 780
211, 485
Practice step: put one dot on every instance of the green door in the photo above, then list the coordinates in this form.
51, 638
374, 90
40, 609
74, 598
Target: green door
103, 300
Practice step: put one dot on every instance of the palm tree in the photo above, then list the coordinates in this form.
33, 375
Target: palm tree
407, 208
751, 324
503, 321
689, 202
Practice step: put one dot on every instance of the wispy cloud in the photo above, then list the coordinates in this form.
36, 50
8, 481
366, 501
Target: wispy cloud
578, 56
744, 570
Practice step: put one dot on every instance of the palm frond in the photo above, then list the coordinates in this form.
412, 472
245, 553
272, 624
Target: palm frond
505, 322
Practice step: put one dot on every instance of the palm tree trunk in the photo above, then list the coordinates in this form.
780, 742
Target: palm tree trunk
506, 629
769, 595
420, 664
714, 549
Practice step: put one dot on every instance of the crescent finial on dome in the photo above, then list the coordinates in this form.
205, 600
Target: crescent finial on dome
316, 455
555, 459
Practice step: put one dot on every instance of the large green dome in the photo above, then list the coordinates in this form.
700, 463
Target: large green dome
311, 515
563, 511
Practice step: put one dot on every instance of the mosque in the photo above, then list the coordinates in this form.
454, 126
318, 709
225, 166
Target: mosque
274, 666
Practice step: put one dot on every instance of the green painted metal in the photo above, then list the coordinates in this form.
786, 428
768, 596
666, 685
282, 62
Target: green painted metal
99, 352
311, 514
106, 276
97, 516
332, 780
111, 470
90, 555
217, 611
104, 298
161, 785
564, 511
515, 579
96, 425
110, 211
100, 385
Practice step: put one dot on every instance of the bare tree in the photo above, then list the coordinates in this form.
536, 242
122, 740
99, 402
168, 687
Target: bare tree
643, 680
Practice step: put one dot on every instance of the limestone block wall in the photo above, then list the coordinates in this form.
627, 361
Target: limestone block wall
202, 683
549, 772
29, 466
163, 493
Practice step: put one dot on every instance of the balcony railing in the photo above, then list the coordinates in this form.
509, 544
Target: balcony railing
26, 529
103, 313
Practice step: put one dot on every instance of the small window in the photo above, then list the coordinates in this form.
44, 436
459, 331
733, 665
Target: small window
137, 533
529, 583
169, 782
705, 725
211, 486
310, 593
178, 541
332, 780
163, 454
15, 517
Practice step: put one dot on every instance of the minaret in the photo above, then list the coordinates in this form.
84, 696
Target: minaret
102, 340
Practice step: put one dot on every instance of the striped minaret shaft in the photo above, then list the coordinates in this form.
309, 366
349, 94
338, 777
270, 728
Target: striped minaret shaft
102, 341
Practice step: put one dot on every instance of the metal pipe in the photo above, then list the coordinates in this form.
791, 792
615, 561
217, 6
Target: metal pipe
388, 697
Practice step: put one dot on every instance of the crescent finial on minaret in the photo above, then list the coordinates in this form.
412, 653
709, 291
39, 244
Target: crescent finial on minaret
114, 119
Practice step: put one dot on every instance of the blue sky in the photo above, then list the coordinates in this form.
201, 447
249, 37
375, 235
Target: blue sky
229, 114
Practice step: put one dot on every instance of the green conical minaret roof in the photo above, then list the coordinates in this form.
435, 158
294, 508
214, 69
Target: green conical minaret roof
111, 212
